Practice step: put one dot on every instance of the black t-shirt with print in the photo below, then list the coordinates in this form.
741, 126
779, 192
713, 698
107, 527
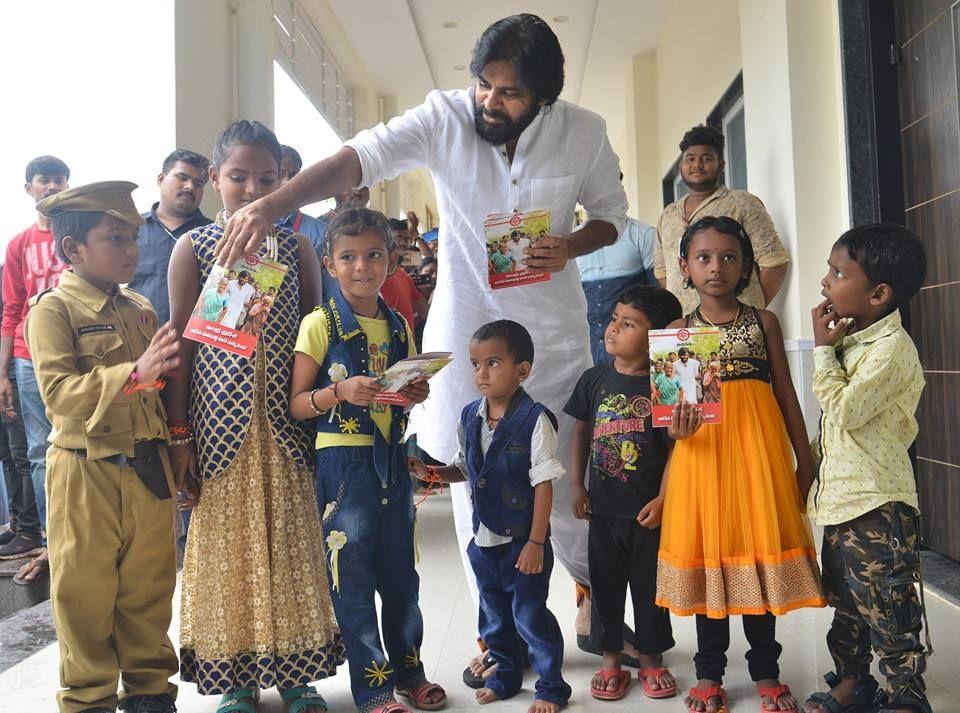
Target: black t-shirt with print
628, 454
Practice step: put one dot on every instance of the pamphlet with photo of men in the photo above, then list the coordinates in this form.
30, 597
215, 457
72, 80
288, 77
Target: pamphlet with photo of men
235, 303
685, 364
398, 376
507, 236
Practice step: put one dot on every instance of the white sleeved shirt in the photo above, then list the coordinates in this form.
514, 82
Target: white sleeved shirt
544, 464
562, 158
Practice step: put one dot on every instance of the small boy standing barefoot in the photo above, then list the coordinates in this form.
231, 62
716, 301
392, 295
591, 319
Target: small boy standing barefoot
99, 358
508, 447
868, 380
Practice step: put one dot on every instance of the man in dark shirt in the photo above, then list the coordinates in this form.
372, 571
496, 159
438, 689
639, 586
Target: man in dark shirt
181, 181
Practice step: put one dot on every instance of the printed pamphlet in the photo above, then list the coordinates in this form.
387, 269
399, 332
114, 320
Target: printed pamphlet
507, 236
235, 303
684, 364
394, 379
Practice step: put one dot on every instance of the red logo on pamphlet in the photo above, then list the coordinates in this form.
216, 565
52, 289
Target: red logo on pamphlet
683, 335
252, 260
516, 220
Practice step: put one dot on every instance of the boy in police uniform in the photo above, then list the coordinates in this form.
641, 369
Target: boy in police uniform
99, 358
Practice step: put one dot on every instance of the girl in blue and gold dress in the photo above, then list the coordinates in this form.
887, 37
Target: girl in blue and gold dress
256, 610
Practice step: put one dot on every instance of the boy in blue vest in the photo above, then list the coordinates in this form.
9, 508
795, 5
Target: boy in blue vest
508, 454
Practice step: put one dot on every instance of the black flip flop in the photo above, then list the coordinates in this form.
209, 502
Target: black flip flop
474, 681
584, 644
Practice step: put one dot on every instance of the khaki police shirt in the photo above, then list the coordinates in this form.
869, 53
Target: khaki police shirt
743, 207
869, 388
85, 344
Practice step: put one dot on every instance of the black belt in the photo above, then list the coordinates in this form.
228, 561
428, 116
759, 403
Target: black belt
146, 462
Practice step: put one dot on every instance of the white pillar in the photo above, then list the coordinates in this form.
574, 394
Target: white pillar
254, 53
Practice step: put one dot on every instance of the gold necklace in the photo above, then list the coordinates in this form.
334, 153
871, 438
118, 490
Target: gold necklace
706, 319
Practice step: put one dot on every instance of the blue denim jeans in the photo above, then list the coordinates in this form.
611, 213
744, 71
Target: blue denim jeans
20, 496
35, 422
513, 603
377, 557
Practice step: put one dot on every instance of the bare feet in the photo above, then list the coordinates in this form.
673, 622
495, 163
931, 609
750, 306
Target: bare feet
33, 569
713, 704
842, 693
654, 683
540, 706
476, 666
485, 695
786, 703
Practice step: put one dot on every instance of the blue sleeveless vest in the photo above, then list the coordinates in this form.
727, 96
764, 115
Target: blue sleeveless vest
348, 355
500, 481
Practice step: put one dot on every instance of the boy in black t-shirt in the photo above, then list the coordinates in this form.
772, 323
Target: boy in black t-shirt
614, 428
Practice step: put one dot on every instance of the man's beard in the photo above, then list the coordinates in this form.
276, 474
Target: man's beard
505, 132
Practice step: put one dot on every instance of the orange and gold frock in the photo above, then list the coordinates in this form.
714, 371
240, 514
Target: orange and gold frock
735, 538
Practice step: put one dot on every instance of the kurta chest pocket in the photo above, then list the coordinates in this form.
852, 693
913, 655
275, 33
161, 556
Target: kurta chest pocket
97, 348
558, 195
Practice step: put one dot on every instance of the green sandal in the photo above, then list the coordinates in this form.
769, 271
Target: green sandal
238, 701
296, 699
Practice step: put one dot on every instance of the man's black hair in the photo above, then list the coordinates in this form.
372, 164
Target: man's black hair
292, 154
528, 43
46, 166
727, 226
245, 133
75, 223
191, 158
701, 135
660, 306
683, 350
890, 254
396, 224
514, 335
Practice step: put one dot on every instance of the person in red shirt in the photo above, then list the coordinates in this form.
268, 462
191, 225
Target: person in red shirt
31, 267
399, 291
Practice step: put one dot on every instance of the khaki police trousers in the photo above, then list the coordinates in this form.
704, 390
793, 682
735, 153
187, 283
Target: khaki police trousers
113, 575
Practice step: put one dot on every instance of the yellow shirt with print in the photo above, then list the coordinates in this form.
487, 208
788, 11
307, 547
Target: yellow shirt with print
869, 388
314, 342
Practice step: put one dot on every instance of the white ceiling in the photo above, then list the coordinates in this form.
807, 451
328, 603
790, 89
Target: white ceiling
407, 50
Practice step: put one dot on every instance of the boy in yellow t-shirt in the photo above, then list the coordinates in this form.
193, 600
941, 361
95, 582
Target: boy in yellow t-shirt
363, 484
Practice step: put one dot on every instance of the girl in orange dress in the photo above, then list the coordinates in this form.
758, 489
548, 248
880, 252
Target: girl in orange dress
735, 539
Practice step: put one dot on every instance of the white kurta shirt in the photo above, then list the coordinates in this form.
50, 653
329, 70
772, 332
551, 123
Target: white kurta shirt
562, 158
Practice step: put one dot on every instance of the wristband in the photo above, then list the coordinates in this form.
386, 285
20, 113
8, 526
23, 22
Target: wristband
181, 441
313, 404
536, 543
180, 429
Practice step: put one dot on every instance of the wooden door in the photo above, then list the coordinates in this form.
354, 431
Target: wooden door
928, 35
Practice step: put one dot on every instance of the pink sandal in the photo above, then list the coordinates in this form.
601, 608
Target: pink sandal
419, 696
655, 672
776, 693
622, 678
705, 695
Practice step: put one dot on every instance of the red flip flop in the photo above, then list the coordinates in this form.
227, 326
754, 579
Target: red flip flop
776, 693
705, 696
622, 678
655, 672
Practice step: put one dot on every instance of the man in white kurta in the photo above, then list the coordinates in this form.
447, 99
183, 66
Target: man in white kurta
561, 159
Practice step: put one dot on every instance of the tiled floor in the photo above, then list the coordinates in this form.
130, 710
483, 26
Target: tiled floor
450, 620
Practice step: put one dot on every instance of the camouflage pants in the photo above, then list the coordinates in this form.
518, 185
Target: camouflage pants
871, 566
